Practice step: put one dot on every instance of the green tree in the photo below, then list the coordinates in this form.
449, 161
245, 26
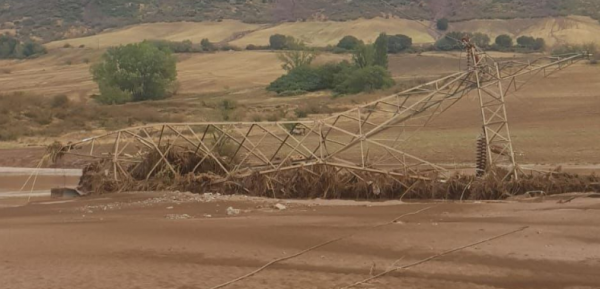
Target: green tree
277, 42
442, 24
381, 50
364, 55
135, 72
349, 42
504, 41
398, 43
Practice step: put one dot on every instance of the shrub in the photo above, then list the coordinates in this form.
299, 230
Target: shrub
304, 78
349, 42
60, 100
277, 42
504, 41
398, 43
12, 48
442, 24
301, 113
173, 46
364, 79
531, 43
136, 72
450, 41
207, 45
480, 39
227, 104
112, 95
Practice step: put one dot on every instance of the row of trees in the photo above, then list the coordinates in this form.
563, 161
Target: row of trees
366, 72
451, 41
395, 43
187, 46
12, 48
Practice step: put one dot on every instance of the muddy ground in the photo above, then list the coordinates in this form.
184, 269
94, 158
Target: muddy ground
176, 240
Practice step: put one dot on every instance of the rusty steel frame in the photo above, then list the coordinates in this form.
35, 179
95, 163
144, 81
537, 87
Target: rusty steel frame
367, 138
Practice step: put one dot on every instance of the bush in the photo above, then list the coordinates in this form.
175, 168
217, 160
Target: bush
185, 46
227, 104
480, 39
277, 42
450, 41
12, 48
112, 95
135, 72
59, 101
398, 43
442, 24
304, 78
531, 43
349, 43
504, 41
364, 79
207, 45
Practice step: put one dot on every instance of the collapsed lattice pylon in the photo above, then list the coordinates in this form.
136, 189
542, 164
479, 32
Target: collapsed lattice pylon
366, 138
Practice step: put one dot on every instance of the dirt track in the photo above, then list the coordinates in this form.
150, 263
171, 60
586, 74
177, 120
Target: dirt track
127, 241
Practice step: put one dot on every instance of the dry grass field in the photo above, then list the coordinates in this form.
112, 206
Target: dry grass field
330, 32
176, 31
571, 29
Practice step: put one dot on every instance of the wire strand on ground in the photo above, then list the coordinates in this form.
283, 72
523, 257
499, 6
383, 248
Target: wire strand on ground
433, 257
316, 247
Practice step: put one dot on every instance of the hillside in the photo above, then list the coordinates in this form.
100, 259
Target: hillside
57, 19
555, 30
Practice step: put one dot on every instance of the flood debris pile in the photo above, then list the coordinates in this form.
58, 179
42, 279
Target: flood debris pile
183, 173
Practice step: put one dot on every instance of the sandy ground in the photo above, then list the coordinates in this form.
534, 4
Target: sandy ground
175, 240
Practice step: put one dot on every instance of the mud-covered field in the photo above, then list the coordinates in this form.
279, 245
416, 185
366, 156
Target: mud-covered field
178, 240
